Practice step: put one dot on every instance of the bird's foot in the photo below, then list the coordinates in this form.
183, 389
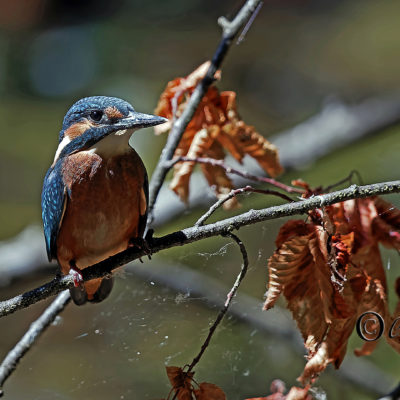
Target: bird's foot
76, 274
141, 244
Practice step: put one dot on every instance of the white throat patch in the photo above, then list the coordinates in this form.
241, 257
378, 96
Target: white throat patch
60, 148
113, 144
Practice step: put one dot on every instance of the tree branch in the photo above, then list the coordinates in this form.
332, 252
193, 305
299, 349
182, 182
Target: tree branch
10, 363
336, 126
229, 31
228, 301
225, 308
193, 234
234, 193
25, 253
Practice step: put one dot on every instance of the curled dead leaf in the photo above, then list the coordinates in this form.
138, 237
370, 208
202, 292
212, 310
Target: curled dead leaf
330, 272
209, 391
215, 126
181, 382
183, 389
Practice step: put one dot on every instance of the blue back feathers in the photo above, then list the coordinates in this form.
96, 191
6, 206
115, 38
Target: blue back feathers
53, 199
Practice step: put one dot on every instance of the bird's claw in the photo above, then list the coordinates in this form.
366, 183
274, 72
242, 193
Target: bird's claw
141, 244
149, 236
76, 274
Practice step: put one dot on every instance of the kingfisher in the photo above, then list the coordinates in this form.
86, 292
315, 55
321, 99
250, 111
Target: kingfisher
95, 193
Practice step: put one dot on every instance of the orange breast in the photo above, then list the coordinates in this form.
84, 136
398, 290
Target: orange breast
104, 205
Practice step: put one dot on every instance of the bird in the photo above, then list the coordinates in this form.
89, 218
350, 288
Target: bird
95, 193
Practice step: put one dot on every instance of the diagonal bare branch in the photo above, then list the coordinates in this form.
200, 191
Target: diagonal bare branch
225, 308
12, 359
196, 233
228, 301
229, 32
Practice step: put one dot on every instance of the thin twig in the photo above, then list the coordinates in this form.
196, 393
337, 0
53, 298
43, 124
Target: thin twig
231, 170
348, 180
249, 23
228, 301
10, 363
195, 233
234, 193
225, 308
230, 30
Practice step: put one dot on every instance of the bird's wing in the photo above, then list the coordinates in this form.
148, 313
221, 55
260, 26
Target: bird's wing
53, 207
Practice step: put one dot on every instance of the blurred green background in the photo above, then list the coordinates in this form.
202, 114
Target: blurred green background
296, 55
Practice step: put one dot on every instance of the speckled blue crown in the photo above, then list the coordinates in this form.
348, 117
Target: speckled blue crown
83, 106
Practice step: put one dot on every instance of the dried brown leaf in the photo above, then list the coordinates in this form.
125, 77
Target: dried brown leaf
330, 272
182, 171
209, 391
297, 393
217, 177
394, 322
299, 269
386, 225
292, 229
220, 127
285, 266
176, 90
241, 139
181, 382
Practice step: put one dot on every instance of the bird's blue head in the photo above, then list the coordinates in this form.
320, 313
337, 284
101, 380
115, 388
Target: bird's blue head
92, 118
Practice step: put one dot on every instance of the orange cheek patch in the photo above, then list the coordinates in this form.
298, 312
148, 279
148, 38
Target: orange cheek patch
78, 129
113, 113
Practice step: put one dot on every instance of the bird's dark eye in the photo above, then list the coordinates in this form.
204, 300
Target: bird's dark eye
96, 115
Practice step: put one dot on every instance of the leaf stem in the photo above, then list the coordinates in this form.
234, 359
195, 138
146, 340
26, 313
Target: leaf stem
231, 170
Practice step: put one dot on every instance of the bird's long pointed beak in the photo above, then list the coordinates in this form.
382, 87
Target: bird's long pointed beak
140, 120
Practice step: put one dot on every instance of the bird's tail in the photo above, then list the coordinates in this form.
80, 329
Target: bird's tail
94, 291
